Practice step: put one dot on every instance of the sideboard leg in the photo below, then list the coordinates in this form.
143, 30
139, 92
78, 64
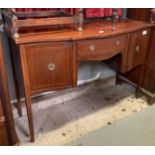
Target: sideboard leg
139, 84
19, 104
15, 79
30, 117
27, 91
151, 100
150, 97
118, 80
137, 93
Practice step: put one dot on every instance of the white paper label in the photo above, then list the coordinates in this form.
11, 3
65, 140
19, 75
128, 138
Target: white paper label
144, 32
101, 31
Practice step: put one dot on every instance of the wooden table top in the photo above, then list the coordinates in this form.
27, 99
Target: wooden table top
91, 29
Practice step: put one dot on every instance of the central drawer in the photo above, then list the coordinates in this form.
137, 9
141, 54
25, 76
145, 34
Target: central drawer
104, 48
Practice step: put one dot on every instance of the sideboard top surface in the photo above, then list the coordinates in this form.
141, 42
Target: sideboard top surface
91, 29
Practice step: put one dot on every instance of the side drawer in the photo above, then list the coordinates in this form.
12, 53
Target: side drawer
104, 47
138, 48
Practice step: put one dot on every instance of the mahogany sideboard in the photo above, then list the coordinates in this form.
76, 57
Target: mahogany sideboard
49, 59
8, 134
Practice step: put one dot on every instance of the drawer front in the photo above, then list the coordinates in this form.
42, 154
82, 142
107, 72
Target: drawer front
138, 48
3, 135
49, 65
105, 48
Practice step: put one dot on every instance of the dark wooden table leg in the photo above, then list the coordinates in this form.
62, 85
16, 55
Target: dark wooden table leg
150, 97
30, 116
117, 79
139, 84
19, 105
151, 100
27, 90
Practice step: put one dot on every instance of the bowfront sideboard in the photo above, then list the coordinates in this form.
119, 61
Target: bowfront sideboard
50, 59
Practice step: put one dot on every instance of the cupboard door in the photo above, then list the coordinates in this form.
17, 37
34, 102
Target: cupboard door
49, 65
138, 48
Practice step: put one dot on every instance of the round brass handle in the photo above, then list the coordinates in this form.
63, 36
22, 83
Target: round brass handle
92, 47
137, 48
51, 66
117, 42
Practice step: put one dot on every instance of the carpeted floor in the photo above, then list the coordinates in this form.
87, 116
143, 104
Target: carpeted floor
64, 116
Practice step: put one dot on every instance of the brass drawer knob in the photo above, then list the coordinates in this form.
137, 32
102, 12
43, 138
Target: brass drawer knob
137, 49
117, 42
51, 66
92, 47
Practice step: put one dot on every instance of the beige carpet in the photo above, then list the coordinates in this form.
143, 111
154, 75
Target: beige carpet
62, 117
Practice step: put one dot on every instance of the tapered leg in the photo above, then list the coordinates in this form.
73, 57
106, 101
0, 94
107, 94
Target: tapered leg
27, 90
118, 80
151, 100
137, 92
19, 105
30, 117
139, 84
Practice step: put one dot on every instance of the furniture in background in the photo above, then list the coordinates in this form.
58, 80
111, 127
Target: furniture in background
17, 20
8, 134
148, 75
49, 58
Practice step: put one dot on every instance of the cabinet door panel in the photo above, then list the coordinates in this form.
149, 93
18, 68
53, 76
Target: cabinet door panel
138, 48
49, 65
